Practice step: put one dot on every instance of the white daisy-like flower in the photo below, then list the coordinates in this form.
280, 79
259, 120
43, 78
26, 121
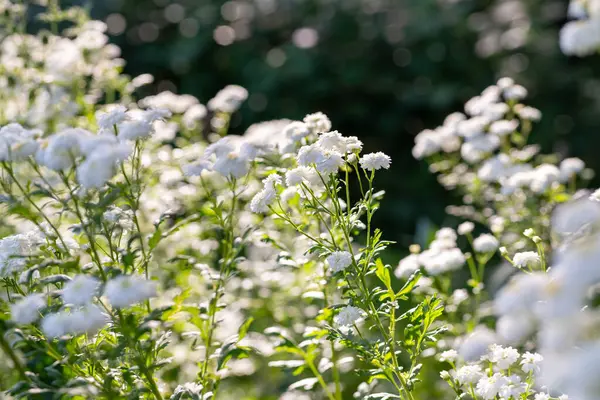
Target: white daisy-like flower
108, 119
126, 290
349, 316
526, 259
339, 260
317, 122
465, 228
485, 243
80, 290
375, 161
27, 310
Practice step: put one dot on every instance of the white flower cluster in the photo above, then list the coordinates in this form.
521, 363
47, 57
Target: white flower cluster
82, 57
556, 305
79, 314
502, 373
442, 256
15, 249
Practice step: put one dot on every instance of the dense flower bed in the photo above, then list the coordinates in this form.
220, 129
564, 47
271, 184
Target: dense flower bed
147, 253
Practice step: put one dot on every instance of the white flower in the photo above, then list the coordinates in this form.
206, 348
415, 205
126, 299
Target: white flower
332, 141
503, 357
15, 249
296, 130
302, 174
117, 216
375, 161
448, 355
349, 316
126, 290
458, 296
489, 386
311, 154
196, 168
526, 259
88, 319
528, 113
17, 143
339, 260
80, 290
110, 118
262, 200
513, 388
228, 99
194, 115
61, 149
515, 92
541, 396
407, 266
100, 166
580, 38
317, 122
503, 127
530, 362
468, 374
134, 129
27, 310
330, 163
190, 388
569, 167
595, 196
465, 228
485, 243
233, 164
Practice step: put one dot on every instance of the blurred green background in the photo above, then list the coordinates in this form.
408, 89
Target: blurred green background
382, 70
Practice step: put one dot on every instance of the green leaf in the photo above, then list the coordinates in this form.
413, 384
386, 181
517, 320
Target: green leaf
244, 328
155, 238
410, 284
383, 273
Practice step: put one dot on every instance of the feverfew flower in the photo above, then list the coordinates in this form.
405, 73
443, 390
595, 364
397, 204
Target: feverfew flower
27, 310
262, 200
100, 166
330, 163
88, 319
468, 374
530, 362
126, 290
503, 357
317, 122
108, 119
489, 386
134, 129
301, 174
569, 167
233, 164
448, 355
61, 149
339, 260
465, 228
485, 243
311, 154
349, 316
80, 290
375, 161
503, 127
526, 259
296, 130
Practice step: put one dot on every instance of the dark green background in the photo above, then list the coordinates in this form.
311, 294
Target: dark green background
382, 70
